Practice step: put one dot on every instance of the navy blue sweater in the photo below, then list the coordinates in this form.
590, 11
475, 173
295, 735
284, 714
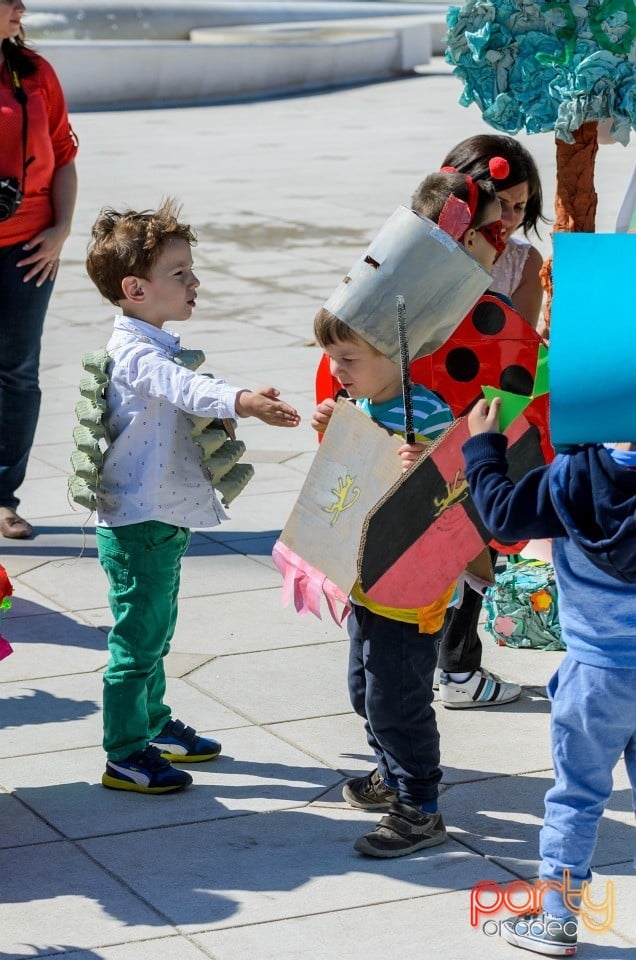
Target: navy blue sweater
586, 502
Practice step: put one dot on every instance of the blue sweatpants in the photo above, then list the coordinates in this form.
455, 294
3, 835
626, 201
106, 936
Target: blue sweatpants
593, 722
391, 667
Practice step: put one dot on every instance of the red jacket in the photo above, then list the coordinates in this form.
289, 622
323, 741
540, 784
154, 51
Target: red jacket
50, 140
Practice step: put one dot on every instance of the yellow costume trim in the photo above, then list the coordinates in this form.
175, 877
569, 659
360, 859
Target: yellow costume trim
429, 619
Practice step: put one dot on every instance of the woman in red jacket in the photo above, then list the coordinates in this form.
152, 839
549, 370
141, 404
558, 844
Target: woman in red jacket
38, 185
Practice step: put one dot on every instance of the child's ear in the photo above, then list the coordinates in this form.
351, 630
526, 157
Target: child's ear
132, 288
469, 237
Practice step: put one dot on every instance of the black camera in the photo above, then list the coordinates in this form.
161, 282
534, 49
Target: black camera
10, 196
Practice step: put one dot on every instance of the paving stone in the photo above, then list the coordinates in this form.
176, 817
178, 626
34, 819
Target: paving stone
244, 884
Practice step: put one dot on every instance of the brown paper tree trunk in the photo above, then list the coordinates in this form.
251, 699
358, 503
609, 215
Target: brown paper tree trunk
576, 199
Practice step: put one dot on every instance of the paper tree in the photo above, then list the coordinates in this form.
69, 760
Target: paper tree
552, 65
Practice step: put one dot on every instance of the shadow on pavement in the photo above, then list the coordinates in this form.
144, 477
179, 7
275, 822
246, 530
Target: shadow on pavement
41, 707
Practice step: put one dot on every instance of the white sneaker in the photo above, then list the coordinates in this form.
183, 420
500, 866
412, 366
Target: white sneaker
542, 933
436, 677
482, 689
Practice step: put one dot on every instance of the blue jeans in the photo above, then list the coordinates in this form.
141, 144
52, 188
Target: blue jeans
391, 667
593, 722
22, 310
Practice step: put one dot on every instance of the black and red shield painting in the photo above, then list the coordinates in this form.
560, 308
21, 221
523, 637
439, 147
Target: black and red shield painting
424, 532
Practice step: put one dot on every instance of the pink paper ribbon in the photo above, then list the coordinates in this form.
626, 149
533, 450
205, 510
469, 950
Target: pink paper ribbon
5, 648
308, 586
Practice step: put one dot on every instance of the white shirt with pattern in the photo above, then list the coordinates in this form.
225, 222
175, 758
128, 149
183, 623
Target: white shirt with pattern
152, 466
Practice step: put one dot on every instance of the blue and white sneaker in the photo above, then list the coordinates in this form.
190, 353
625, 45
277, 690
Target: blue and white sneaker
144, 771
181, 744
482, 689
542, 933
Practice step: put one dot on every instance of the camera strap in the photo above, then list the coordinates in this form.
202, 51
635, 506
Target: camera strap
20, 95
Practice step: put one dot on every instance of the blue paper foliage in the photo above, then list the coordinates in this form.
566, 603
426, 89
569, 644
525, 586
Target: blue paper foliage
550, 65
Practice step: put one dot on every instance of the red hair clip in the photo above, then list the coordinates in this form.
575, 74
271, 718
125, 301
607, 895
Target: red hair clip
498, 169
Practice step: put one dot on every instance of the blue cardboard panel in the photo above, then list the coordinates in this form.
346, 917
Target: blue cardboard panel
592, 356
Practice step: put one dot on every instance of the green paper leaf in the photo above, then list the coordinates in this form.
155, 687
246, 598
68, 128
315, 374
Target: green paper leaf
512, 404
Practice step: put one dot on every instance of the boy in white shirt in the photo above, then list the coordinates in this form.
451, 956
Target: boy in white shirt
152, 488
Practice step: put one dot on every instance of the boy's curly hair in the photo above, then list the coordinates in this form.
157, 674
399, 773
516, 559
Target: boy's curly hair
129, 243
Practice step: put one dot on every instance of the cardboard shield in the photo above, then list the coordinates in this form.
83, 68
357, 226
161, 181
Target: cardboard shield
425, 531
355, 465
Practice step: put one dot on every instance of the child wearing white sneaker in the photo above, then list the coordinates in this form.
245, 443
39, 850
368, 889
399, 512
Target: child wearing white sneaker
586, 502
152, 487
461, 679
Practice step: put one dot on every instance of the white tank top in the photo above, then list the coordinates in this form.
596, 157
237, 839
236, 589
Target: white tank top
508, 268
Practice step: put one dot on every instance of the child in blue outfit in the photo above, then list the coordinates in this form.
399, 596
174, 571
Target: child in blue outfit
586, 502
152, 487
393, 652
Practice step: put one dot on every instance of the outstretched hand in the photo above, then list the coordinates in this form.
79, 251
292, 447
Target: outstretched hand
484, 417
265, 405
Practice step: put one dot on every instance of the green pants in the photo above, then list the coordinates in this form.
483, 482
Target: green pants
143, 563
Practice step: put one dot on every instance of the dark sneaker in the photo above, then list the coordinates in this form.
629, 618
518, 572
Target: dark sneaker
542, 933
369, 793
405, 830
181, 744
144, 772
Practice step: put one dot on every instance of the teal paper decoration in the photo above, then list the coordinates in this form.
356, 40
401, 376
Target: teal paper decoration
551, 65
